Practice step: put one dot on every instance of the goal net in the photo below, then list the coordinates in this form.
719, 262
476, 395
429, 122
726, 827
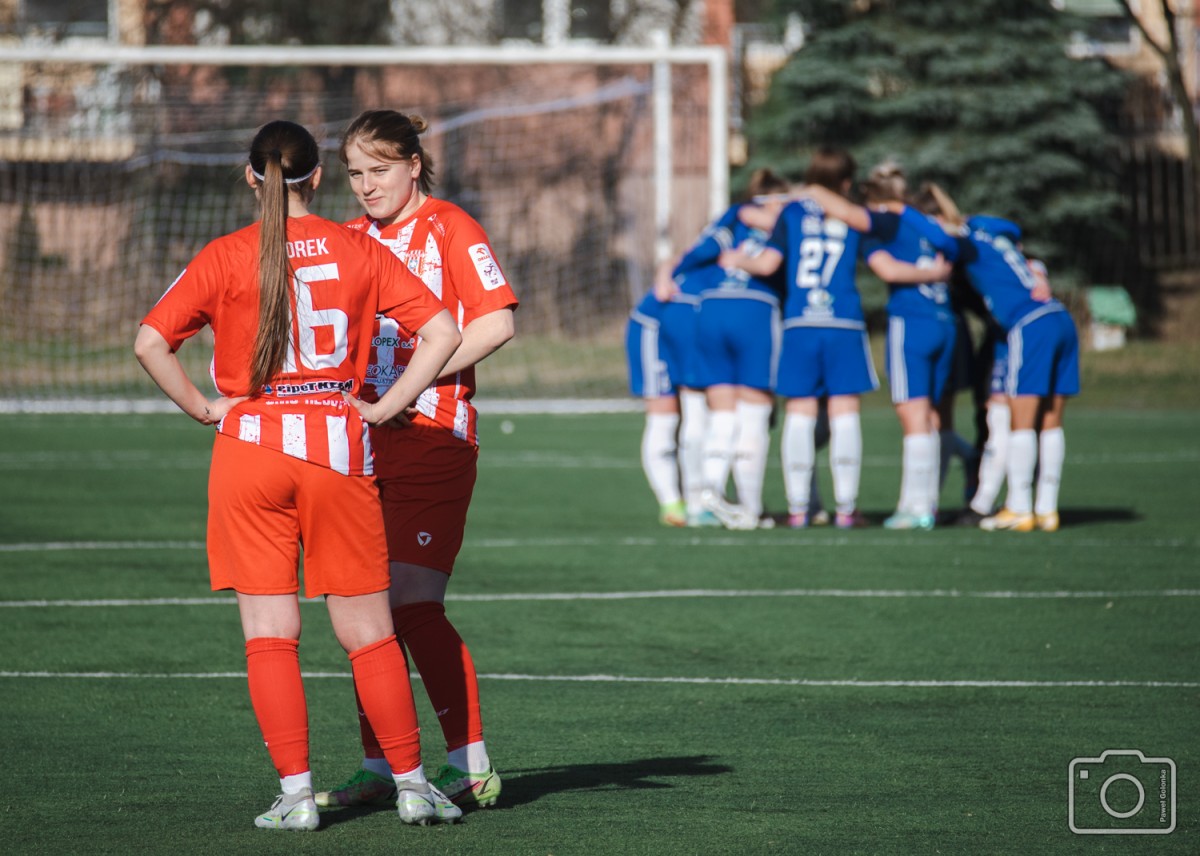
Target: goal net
119, 165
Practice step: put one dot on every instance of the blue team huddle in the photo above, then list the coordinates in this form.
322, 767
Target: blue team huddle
764, 309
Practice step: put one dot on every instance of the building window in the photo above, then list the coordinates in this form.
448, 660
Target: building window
61, 18
555, 21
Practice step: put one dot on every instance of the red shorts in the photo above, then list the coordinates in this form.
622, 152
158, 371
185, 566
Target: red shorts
426, 476
263, 504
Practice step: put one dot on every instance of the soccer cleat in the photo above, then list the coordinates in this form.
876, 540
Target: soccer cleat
731, 516
820, 517
672, 514
797, 521
1005, 520
851, 520
905, 520
364, 788
1048, 522
703, 520
297, 812
469, 789
422, 804
969, 517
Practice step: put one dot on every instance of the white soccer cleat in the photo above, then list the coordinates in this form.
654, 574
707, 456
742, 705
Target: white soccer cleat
297, 812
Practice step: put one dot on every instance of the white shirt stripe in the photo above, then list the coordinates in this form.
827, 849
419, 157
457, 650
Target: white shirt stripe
295, 441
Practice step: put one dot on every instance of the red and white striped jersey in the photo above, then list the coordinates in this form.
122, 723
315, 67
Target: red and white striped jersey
342, 279
443, 245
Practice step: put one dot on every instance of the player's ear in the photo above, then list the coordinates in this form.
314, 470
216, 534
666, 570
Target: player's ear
250, 179
316, 178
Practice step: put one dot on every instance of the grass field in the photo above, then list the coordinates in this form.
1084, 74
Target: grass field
646, 691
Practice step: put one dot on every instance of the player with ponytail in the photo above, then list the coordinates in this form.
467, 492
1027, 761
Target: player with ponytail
291, 301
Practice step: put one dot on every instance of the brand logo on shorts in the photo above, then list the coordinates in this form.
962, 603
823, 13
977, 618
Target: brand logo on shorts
424, 538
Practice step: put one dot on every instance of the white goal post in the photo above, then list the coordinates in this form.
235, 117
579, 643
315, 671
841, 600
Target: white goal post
586, 164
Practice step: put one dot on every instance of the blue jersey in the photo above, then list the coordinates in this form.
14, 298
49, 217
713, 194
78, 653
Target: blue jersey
912, 245
699, 269
820, 255
995, 267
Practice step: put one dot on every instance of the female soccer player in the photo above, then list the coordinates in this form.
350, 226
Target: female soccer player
291, 301
426, 467
1043, 365
920, 352
739, 326
825, 347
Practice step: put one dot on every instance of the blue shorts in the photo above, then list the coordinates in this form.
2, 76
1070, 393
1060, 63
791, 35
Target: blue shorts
648, 373
741, 341
678, 338
920, 355
818, 361
1043, 355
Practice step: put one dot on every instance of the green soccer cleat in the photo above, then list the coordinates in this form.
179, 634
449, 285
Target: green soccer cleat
672, 514
905, 520
297, 812
470, 789
423, 804
364, 788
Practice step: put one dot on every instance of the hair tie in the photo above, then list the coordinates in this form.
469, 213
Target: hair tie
302, 178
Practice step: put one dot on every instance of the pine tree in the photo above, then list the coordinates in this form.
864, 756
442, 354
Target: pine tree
980, 97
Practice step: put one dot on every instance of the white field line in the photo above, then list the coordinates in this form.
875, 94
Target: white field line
147, 460
758, 540
630, 679
535, 597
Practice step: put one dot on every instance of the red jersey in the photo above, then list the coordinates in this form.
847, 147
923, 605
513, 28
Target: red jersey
342, 279
449, 251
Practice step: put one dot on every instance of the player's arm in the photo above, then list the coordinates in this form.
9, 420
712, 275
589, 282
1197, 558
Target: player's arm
164, 368
439, 339
895, 272
837, 206
762, 264
480, 339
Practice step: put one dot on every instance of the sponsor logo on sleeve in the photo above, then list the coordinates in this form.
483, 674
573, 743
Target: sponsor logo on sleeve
485, 265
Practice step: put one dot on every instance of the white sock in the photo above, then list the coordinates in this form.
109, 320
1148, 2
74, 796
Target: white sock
659, 461
378, 766
798, 451
692, 426
994, 460
1052, 449
1022, 459
845, 460
417, 774
294, 784
750, 454
472, 758
918, 464
935, 473
718, 449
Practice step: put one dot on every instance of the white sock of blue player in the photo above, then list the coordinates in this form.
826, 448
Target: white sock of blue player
935, 473
1022, 460
658, 456
918, 464
718, 449
798, 452
845, 460
1052, 450
750, 454
692, 427
994, 462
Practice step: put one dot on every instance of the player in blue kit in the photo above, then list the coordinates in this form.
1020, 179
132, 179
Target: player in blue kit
825, 347
1043, 366
739, 325
650, 379
920, 351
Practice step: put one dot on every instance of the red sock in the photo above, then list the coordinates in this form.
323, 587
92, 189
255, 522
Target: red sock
446, 669
277, 695
385, 696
